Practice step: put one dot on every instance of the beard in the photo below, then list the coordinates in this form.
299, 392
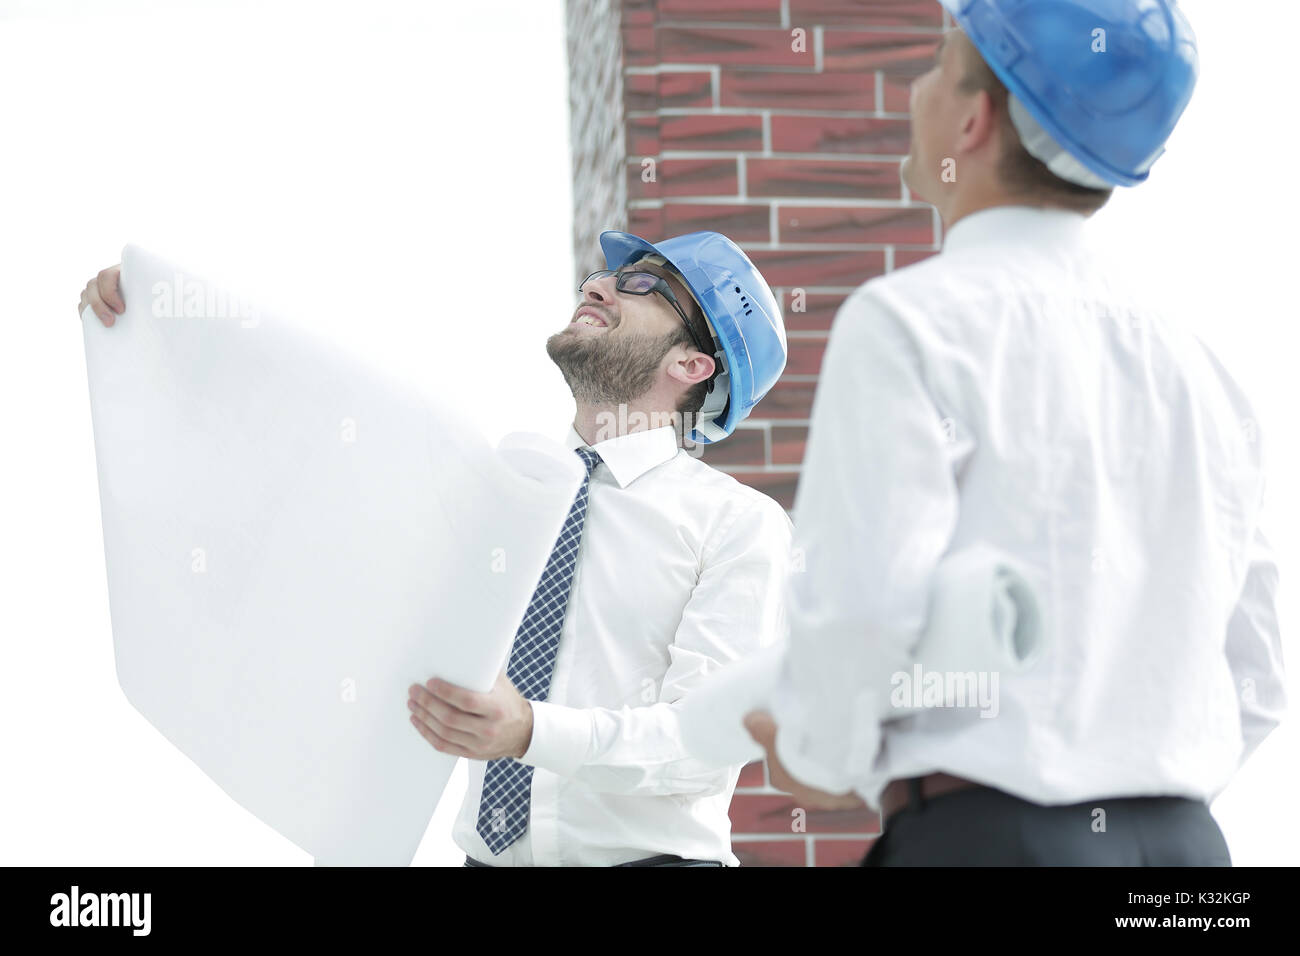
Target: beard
605, 371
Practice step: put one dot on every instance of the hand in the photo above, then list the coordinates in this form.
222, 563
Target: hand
465, 723
103, 295
762, 728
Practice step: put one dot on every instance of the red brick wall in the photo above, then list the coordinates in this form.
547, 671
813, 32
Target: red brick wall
780, 123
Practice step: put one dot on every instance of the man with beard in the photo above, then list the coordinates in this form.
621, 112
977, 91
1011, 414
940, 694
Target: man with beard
665, 570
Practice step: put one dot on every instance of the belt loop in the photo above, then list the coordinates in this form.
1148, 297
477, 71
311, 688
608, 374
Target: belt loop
915, 799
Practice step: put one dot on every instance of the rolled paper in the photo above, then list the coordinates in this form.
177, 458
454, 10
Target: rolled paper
984, 622
292, 538
711, 715
983, 618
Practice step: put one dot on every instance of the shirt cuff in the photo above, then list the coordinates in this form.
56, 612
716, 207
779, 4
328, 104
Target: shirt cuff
823, 761
561, 738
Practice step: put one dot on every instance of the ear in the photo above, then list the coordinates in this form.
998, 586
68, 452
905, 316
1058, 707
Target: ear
979, 124
687, 365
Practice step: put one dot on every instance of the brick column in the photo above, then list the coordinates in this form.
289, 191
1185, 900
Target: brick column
780, 123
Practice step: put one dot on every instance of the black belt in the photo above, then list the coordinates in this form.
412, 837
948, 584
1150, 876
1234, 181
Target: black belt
910, 793
663, 859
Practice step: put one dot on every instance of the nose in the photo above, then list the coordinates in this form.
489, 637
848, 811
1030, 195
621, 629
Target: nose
600, 290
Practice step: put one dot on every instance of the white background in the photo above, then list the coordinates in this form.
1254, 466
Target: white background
414, 156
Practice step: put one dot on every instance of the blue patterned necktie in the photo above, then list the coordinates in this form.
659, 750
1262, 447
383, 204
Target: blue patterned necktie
507, 783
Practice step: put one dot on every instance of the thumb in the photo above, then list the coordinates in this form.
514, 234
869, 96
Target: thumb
762, 728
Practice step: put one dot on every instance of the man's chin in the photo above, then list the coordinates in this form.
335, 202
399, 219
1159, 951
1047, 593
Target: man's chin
565, 347
905, 170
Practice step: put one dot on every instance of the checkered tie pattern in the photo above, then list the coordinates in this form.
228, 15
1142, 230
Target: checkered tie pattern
507, 783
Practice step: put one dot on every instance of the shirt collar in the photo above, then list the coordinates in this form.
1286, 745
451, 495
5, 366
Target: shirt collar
1011, 223
630, 456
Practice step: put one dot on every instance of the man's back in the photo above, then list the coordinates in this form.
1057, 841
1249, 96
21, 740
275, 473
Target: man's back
1107, 449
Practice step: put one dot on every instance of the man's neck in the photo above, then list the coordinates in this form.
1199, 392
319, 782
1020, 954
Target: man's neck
960, 207
597, 423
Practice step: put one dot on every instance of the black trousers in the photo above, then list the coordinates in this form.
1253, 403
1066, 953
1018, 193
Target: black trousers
986, 827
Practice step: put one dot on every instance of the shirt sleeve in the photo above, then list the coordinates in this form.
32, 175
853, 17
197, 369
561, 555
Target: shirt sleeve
875, 511
735, 609
1254, 649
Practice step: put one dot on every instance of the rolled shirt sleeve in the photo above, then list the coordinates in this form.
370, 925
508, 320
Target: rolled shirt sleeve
1254, 649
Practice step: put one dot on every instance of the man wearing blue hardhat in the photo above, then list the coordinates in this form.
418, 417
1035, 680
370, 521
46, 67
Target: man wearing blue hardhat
676, 569
665, 570
1016, 394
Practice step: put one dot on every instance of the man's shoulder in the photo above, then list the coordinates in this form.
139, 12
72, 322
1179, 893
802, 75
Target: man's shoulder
913, 305
727, 494
909, 293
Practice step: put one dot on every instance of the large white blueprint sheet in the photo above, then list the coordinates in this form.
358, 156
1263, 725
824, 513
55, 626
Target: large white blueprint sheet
291, 540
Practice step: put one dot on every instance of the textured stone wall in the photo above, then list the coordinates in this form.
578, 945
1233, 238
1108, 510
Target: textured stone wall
596, 125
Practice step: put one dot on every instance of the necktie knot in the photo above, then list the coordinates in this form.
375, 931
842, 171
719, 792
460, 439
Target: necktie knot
589, 458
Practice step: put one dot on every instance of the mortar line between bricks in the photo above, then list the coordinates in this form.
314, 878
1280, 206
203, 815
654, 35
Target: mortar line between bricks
825, 289
753, 836
883, 158
805, 112
864, 248
767, 71
666, 68
728, 199
835, 247
927, 33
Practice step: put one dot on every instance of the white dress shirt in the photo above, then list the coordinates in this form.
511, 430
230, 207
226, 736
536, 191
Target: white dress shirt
680, 571
1011, 391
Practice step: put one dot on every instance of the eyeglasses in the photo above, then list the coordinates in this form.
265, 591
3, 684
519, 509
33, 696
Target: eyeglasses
643, 283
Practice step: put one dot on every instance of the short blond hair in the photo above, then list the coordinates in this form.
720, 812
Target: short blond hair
1018, 170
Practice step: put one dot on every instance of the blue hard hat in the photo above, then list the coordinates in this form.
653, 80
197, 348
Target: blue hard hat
742, 312
1106, 80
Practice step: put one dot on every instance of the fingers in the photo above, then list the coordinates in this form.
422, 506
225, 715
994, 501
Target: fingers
91, 297
441, 727
464, 699
438, 743
103, 296
108, 288
451, 720
762, 728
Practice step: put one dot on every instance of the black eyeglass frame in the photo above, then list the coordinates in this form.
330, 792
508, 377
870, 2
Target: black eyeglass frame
660, 285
